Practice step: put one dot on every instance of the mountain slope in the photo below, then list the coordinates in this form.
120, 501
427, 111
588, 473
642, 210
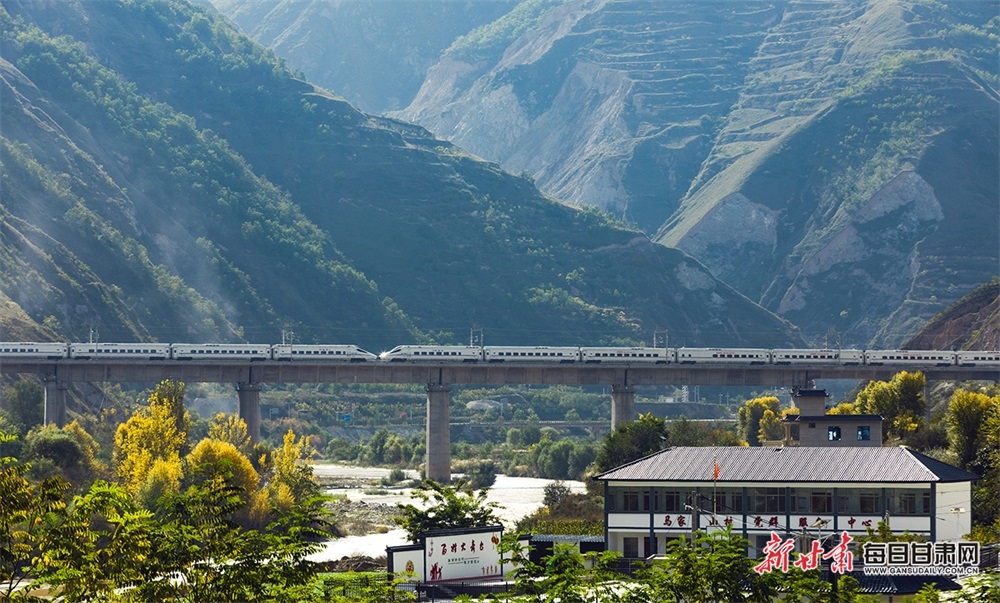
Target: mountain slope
372, 52
169, 179
835, 161
971, 323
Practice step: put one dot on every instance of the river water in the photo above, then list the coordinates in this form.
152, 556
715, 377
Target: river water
517, 497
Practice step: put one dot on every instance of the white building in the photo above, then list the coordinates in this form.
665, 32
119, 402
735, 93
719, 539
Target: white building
800, 492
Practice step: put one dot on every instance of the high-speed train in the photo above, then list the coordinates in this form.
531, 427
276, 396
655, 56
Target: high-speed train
447, 354
642, 355
185, 351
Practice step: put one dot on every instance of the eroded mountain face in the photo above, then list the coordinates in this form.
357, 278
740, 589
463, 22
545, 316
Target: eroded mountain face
835, 161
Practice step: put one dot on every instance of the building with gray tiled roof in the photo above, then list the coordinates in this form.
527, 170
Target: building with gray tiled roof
803, 492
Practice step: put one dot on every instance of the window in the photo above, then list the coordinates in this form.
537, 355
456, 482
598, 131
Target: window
833, 433
766, 500
864, 433
667, 501
908, 501
812, 501
728, 500
630, 500
870, 502
859, 501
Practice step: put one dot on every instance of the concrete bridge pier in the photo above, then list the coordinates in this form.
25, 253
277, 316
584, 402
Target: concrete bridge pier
249, 408
622, 405
55, 401
438, 463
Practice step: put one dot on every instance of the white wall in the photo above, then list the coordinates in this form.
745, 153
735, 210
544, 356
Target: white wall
953, 512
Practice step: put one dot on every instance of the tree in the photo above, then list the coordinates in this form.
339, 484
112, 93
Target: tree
631, 441
554, 493
565, 575
106, 547
24, 404
233, 429
213, 459
52, 449
771, 427
170, 395
68, 451
450, 507
966, 416
750, 414
710, 567
100, 545
213, 559
26, 512
146, 437
163, 478
900, 401
289, 479
561, 459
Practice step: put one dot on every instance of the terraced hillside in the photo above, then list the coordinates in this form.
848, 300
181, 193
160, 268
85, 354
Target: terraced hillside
612, 103
853, 189
834, 160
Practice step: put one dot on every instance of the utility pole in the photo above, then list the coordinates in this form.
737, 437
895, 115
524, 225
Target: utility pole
660, 338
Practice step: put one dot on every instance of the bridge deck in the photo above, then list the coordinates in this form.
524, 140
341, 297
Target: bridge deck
473, 374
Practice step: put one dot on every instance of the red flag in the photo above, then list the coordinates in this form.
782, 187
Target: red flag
715, 470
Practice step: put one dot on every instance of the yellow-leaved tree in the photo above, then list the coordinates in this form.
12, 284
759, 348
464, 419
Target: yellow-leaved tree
900, 401
290, 477
212, 458
749, 415
232, 429
153, 434
771, 427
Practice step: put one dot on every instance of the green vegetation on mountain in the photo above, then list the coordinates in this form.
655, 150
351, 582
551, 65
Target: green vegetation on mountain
219, 196
488, 42
833, 161
373, 53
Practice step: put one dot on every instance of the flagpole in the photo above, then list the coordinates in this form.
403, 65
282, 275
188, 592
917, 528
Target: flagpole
715, 490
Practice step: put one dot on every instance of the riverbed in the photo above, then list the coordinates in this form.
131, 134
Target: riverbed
517, 498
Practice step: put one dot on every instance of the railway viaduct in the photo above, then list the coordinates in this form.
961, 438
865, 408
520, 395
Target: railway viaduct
58, 375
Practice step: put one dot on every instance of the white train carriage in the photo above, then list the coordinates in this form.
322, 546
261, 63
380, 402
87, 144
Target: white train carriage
972, 358
909, 357
625, 355
323, 352
723, 356
433, 353
531, 354
840, 357
34, 350
123, 351
220, 351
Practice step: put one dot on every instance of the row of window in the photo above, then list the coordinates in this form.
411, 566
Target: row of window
834, 433
539, 354
849, 501
625, 355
